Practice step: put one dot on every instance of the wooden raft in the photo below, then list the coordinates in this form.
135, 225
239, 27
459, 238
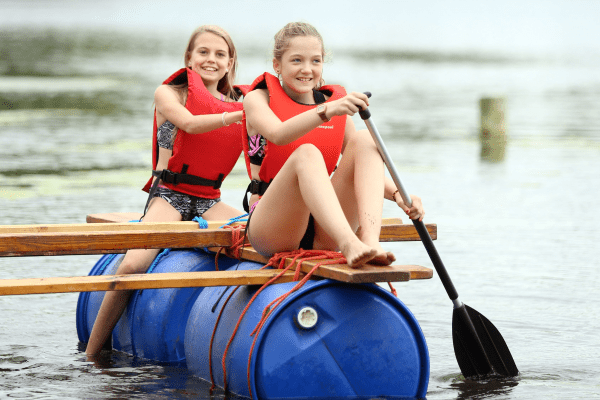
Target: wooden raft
392, 229
112, 233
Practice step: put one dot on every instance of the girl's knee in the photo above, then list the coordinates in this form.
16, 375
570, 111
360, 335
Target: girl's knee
362, 139
308, 150
307, 153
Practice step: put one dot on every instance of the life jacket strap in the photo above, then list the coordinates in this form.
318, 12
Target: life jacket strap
255, 187
175, 178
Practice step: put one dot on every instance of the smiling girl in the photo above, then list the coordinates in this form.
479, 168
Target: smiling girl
296, 130
196, 143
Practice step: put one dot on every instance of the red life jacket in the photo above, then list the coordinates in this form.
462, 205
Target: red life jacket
327, 137
200, 162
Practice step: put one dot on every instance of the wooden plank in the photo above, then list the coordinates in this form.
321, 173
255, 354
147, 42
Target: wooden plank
99, 238
113, 217
130, 216
139, 281
99, 242
404, 232
392, 229
117, 217
111, 227
416, 271
342, 272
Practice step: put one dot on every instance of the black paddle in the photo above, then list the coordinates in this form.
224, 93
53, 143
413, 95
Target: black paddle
479, 347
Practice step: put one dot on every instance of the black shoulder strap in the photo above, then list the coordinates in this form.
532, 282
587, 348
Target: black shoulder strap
318, 96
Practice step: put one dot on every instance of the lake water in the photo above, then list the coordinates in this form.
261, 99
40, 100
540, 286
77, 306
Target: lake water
519, 237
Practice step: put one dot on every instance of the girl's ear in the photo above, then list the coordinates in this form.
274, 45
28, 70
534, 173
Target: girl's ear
229, 64
276, 66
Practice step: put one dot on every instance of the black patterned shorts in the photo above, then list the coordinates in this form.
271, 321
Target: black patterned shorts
187, 205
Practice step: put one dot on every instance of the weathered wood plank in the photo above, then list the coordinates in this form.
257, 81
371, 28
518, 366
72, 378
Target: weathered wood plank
342, 272
113, 217
99, 238
139, 281
392, 229
110, 227
99, 242
404, 232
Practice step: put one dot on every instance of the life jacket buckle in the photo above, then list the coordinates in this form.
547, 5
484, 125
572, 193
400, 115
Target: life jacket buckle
218, 182
254, 185
170, 177
258, 187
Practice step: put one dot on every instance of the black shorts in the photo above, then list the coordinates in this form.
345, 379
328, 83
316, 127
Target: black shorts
187, 205
309, 236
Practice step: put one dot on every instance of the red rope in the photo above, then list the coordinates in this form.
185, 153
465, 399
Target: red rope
238, 238
212, 338
237, 243
238, 324
329, 257
278, 261
393, 289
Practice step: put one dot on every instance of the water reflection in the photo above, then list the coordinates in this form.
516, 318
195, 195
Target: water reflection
130, 377
475, 390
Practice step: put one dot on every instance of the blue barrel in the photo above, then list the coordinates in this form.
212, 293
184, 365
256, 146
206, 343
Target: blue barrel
153, 326
361, 342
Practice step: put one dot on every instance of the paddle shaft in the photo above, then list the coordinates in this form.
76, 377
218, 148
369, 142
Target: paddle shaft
419, 225
476, 349
479, 348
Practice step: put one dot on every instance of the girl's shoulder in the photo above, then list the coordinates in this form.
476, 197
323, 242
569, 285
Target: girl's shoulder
256, 95
167, 92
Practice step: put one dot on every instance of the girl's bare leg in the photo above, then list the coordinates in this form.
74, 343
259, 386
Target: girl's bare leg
303, 187
135, 261
359, 185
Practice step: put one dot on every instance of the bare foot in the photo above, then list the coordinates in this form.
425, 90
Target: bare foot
357, 253
382, 257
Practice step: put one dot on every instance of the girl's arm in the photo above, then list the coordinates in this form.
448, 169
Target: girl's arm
262, 119
416, 211
163, 160
169, 107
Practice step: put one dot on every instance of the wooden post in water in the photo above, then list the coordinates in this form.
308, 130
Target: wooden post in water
492, 133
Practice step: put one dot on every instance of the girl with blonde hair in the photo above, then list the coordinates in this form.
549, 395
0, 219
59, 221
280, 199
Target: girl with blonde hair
196, 143
296, 130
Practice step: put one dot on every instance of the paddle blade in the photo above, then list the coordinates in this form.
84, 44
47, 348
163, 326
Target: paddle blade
493, 356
